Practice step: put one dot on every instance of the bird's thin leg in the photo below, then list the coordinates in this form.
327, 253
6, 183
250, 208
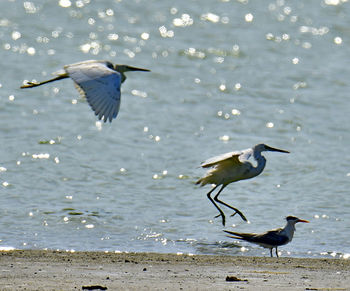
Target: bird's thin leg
271, 253
217, 207
229, 206
277, 252
31, 84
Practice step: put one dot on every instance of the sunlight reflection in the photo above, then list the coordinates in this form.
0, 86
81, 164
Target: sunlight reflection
211, 17
295, 61
192, 52
224, 138
139, 93
164, 32
29, 7
31, 51
65, 3
222, 87
345, 256
5, 184
16, 35
145, 35
338, 40
249, 17
313, 30
41, 156
238, 86
334, 2
235, 112
184, 21
98, 125
6, 249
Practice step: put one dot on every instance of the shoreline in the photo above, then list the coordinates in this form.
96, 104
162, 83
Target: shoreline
61, 270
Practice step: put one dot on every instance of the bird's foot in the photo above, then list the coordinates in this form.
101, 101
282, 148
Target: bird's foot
240, 214
223, 218
29, 85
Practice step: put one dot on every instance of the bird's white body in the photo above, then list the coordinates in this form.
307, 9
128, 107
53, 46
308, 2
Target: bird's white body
98, 81
272, 238
231, 167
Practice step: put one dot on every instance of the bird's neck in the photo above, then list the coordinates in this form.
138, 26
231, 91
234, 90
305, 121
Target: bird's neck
261, 161
289, 230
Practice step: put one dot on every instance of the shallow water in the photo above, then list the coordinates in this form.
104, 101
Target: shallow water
225, 75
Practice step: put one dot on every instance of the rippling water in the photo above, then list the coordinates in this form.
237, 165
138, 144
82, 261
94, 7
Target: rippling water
225, 76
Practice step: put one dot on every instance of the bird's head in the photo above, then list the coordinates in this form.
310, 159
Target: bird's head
263, 148
125, 68
294, 220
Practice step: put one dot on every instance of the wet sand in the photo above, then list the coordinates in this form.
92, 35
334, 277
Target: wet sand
55, 270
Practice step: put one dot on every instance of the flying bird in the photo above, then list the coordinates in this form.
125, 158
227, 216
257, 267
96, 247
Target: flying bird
98, 81
272, 238
232, 167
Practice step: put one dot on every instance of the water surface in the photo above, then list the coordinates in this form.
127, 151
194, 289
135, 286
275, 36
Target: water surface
225, 75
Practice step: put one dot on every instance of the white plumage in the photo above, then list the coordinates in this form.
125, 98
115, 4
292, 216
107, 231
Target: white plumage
98, 81
232, 167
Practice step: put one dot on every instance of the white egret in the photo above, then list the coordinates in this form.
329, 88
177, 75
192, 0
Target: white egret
98, 81
232, 167
272, 238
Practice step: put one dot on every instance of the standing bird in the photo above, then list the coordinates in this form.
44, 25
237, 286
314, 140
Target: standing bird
272, 238
98, 81
232, 167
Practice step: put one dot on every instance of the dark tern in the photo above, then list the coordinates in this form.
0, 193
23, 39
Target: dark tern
272, 238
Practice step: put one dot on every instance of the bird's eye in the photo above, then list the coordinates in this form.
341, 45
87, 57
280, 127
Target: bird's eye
110, 65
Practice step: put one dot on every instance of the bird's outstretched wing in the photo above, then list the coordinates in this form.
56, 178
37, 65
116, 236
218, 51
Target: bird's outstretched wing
232, 157
100, 85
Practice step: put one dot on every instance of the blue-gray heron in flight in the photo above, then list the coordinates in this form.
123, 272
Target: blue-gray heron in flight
272, 238
98, 81
232, 167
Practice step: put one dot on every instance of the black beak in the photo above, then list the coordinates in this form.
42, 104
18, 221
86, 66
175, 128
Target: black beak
130, 68
275, 150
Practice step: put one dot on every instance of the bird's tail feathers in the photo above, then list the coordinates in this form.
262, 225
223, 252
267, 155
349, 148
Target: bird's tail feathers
207, 179
232, 232
232, 236
239, 235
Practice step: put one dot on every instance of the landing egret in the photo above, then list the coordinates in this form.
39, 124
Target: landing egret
232, 167
98, 81
272, 238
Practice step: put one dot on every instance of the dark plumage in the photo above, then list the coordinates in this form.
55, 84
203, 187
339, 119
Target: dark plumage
272, 238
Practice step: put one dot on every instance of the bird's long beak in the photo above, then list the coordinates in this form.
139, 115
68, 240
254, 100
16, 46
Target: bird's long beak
303, 220
130, 68
271, 149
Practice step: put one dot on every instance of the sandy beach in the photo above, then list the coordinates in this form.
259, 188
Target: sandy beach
59, 270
